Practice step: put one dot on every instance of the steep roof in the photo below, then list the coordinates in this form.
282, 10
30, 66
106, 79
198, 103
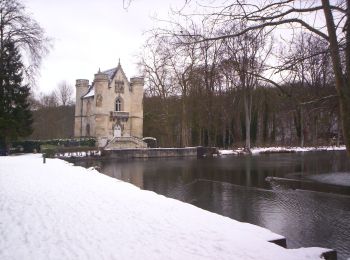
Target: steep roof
90, 92
111, 74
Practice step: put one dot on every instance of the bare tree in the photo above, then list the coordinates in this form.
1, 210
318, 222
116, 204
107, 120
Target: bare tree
329, 20
18, 27
155, 64
48, 100
306, 65
182, 63
64, 93
126, 3
247, 56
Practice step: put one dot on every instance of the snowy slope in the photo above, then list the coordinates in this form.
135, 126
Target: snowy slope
257, 150
59, 211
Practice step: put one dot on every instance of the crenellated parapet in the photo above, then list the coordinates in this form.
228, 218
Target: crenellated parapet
82, 83
140, 81
101, 77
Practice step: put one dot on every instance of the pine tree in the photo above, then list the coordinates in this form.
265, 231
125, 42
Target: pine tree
15, 115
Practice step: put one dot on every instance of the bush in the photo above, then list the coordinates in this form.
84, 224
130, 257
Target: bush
30, 146
3, 150
48, 150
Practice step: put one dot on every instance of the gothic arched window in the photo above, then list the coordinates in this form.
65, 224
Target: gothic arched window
118, 105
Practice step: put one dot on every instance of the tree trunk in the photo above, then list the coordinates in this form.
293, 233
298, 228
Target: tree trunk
273, 131
265, 122
301, 126
184, 128
315, 137
224, 136
247, 120
338, 134
344, 99
342, 85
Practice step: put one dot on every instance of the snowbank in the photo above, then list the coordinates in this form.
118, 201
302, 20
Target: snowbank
297, 149
257, 150
59, 211
337, 178
80, 154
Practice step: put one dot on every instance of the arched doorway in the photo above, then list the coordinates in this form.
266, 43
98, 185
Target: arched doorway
117, 131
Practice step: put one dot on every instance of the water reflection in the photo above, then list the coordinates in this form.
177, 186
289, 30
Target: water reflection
125, 171
305, 218
248, 171
236, 187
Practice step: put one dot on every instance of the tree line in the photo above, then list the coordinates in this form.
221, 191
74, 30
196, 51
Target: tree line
218, 118
236, 64
53, 113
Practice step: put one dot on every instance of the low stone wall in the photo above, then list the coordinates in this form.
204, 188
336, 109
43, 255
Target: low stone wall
125, 143
156, 152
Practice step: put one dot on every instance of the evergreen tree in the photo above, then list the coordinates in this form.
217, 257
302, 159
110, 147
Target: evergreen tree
15, 115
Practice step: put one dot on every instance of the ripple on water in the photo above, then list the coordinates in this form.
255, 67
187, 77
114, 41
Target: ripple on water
305, 218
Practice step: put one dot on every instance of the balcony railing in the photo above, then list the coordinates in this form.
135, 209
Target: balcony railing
119, 115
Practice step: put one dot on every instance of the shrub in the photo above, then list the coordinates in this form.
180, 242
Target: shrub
48, 150
30, 146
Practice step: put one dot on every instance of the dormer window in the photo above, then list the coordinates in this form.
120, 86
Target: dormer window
119, 86
118, 105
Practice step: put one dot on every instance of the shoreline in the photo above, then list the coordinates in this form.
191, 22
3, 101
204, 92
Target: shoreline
281, 149
57, 210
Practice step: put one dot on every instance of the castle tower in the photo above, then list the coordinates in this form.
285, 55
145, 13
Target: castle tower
111, 108
82, 86
136, 86
100, 99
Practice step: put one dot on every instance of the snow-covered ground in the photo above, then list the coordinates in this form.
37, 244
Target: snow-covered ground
59, 211
256, 150
80, 154
338, 178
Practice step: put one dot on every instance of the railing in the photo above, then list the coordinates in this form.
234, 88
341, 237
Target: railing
134, 142
119, 114
57, 151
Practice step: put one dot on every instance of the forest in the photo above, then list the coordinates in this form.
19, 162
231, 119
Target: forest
217, 119
250, 73
225, 93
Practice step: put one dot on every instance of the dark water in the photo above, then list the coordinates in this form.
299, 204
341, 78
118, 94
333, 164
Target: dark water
236, 187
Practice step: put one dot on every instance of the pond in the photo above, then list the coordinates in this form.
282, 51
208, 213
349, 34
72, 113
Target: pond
301, 207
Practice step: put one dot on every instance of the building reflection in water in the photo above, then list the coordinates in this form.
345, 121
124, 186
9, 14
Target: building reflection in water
132, 173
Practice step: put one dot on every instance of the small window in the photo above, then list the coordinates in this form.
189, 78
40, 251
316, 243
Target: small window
118, 105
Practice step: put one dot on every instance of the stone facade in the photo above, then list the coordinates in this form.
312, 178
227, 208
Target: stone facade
112, 106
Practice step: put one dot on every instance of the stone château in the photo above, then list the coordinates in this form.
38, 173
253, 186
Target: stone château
111, 108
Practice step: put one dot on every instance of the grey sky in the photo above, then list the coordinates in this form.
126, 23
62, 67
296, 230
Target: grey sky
88, 35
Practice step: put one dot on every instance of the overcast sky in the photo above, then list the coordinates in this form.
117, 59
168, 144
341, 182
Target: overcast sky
88, 35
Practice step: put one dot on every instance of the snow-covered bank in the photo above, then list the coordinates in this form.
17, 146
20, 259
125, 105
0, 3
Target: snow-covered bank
59, 211
257, 150
337, 178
